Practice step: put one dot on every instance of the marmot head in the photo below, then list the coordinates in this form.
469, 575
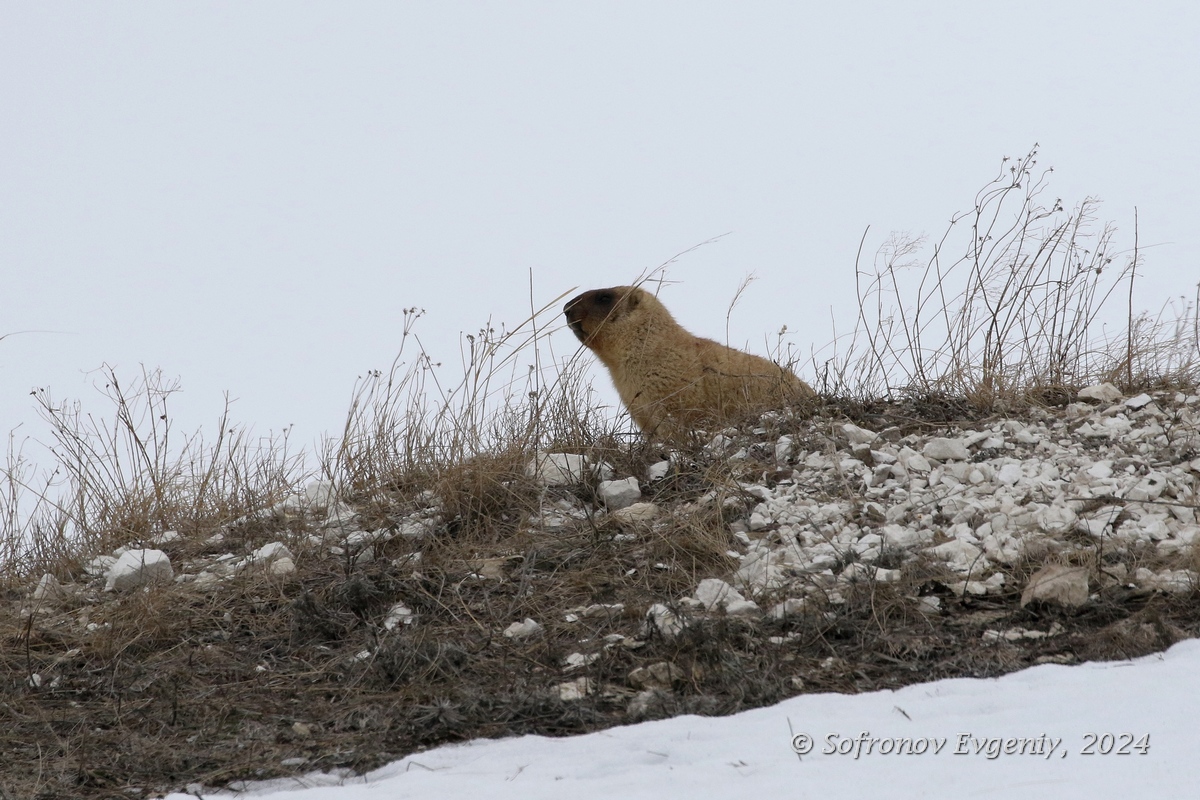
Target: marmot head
591, 311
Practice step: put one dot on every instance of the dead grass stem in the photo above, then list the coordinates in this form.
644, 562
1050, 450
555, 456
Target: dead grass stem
1016, 298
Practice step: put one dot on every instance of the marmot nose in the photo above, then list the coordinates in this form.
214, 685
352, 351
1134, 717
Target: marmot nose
576, 327
574, 317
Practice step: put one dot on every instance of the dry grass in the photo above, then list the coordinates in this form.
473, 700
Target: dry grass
125, 478
1016, 300
262, 675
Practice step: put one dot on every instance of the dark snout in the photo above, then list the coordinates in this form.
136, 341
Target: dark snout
574, 312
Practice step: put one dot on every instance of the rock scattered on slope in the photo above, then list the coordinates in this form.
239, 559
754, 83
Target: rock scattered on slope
1055, 583
136, 568
619, 494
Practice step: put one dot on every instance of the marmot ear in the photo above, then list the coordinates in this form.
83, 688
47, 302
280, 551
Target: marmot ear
633, 299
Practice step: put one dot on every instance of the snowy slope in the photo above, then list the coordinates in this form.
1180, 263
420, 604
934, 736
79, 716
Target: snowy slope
1057, 711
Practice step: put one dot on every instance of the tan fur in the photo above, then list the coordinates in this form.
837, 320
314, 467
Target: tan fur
671, 381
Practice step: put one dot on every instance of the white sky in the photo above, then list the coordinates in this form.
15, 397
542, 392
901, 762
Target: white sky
246, 195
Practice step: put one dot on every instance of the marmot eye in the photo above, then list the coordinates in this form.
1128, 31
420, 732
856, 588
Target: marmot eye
605, 298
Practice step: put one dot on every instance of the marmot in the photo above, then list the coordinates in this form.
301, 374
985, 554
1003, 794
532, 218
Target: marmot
670, 380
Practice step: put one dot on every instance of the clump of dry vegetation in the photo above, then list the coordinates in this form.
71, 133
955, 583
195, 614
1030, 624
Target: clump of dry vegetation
122, 479
264, 674
1016, 301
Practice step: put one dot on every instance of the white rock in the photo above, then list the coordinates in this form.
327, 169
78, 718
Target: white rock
1055, 583
1055, 519
415, 528
1009, 474
959, 555
901, 536
658, 471
619, 494
638, 512
788, 608
270, 552
1144, 577
602, 610
522, 630
207, 578
963, 588
281, 566
1152, 526
943, 449
1101, 393
1099, 522
100, 565
1178, 581
48, 588
138, 568
1182, 513
856, 572
858, 435
400, 614
1108, 428
930, 604
665, 620
1188, 533
577, 660
719, 444
1148, 488
356, 540
742, 608
978, 437
340, 515
1139, 402
1026, 436
714, 593
660, 675
913, 461
574, 690
820, 461
166, 537
565, 469
783, 448
319, 494
869, 541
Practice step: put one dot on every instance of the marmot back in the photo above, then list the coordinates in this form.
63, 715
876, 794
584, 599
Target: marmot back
670, 380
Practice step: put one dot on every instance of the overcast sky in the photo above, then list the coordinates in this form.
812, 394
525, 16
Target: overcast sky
247, 194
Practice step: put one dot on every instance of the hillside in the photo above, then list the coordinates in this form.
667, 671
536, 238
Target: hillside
988, 480
848, 550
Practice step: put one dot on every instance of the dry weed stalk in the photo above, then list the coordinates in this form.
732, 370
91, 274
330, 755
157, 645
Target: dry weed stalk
1018, 310
127, 478
405, 423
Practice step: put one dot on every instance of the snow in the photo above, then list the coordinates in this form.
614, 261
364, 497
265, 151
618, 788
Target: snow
977, 727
